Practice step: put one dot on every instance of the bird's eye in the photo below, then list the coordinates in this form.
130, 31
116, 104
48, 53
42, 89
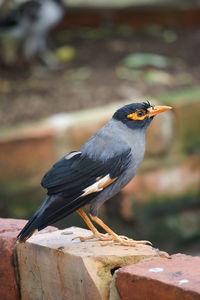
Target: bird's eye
140, 113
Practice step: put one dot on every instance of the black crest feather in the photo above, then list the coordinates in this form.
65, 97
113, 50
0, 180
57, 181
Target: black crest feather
122, 113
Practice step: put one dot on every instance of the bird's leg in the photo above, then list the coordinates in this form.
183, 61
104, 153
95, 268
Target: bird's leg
122, 240
96, 233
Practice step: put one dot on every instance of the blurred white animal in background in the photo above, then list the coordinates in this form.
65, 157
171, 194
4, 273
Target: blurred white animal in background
30, 23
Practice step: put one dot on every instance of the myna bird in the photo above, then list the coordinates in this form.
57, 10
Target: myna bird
102, 167
31, 22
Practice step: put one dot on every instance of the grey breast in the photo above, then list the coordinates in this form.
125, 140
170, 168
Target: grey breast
109, 141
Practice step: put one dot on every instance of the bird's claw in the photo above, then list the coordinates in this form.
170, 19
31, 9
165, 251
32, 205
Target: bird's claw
144, 242
125, 241
99, 236
118, 239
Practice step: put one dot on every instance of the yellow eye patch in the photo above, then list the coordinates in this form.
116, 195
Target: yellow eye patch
139, 114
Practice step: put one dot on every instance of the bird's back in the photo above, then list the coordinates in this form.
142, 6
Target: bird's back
113, 139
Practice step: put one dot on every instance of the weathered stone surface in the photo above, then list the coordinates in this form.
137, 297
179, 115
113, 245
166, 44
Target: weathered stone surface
54, 266
166, 279
114, 294
9, 229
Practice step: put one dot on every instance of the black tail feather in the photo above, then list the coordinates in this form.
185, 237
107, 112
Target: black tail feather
31, 225
58, 215
26, 230
52, 210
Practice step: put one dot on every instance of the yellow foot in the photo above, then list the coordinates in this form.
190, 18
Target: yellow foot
99, 236
125, 241
122, 238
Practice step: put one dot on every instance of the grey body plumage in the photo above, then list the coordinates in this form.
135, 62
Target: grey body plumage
110, 141
102, 167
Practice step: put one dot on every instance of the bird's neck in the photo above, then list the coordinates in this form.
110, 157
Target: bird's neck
133, 138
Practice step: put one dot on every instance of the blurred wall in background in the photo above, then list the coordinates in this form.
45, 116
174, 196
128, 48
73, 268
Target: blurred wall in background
103, 55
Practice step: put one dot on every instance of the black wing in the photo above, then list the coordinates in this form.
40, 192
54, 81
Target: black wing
73, 182
69, 176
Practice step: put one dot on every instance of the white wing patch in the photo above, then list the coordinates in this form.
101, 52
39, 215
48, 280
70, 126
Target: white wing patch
72, 154
99, 185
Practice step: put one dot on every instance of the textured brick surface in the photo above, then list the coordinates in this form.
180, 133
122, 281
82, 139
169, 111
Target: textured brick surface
177, 278
59, 267
9, 229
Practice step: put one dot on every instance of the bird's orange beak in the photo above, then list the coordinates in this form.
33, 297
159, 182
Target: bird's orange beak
155, 110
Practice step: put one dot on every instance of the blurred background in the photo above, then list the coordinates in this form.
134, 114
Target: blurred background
65, 67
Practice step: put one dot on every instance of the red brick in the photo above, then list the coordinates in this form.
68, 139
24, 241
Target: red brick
9, 229
167, 279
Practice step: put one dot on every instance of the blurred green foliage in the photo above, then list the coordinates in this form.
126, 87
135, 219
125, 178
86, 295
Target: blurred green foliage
140, 60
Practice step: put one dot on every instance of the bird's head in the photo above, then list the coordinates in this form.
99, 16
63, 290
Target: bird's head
138, 115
